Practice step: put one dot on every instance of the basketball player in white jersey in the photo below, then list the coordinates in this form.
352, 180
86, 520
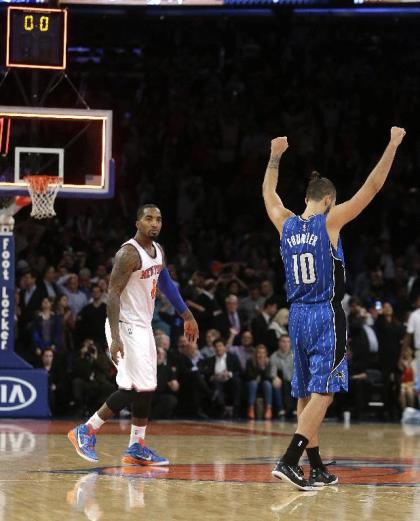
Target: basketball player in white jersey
138, 272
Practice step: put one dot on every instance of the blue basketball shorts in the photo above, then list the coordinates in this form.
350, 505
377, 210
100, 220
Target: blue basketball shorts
318, 334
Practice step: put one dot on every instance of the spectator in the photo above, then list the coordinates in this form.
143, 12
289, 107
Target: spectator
91, 320
230, 317
103, 285
30, 302
100, 273
165, 397
281, 374
69, 286
68, 321
357, 333
185, 261
57, 382
258, 376
194, 390
245, 350
85, 283
260, 325
46, 329
161, 319
408, 379
200, 301
278, 327
355, 399
48, 285
251, 305
174, 355
90, 382
223, 371
267, 290
413, 335
208, 351
390, 334
162, 340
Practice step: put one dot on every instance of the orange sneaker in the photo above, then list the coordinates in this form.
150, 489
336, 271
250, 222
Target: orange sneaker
268, 412
251, 413
139, 454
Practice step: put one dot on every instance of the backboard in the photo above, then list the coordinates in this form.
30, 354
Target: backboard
69, 143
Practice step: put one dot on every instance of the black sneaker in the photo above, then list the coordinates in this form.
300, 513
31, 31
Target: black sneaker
320, 477
293, 474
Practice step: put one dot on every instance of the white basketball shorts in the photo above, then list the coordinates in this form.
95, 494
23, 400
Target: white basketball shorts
137, 370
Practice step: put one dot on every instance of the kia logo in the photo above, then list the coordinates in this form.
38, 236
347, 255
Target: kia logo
15, 393
15, 441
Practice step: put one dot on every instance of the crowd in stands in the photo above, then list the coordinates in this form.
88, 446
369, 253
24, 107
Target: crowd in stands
193, 137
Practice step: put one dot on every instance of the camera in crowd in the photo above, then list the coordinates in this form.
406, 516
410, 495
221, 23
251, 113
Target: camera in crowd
88, 349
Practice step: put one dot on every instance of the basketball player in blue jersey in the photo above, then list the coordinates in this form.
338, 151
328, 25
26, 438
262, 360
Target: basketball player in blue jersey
314, 265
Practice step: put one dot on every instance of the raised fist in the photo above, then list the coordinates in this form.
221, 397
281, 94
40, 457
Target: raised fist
279, 145
397, 135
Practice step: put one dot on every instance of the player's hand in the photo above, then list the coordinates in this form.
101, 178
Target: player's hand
115, 348
191, 329
279, 145
397, 135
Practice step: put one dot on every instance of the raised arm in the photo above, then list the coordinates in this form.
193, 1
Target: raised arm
273, 204
343, 213
127, 260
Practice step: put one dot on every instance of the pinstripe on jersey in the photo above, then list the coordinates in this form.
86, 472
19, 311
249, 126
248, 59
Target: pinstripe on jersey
317, 325
314, 269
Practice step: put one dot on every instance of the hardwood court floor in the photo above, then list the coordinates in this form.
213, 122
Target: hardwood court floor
219, 471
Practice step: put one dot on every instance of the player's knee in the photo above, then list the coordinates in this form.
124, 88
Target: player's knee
141, 406
326, 397
120, 399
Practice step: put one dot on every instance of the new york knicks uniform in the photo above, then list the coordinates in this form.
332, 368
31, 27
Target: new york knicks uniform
317, 324
137, 370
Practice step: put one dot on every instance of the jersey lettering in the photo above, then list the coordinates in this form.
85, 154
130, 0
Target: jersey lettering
314, 269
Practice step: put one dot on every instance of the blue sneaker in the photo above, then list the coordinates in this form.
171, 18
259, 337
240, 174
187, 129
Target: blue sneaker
84, 441
139, 454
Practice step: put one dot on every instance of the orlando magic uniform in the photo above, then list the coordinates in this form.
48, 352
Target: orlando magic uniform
315, 287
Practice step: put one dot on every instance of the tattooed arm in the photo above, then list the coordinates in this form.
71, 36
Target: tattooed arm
273, 204
127, 260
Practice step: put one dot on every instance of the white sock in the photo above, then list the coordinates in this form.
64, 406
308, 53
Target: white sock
95, 421
137, 433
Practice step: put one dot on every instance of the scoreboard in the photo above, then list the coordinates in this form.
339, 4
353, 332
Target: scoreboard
36, 38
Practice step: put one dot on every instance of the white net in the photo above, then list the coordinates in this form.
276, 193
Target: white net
43, 190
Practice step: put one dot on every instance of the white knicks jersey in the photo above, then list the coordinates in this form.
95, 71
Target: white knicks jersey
137, 301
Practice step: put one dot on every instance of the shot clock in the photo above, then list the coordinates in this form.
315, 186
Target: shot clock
36, 38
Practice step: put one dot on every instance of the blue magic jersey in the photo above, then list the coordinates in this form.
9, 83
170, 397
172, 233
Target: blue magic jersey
314, 269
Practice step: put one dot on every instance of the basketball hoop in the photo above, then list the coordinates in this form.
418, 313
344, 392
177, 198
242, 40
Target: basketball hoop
43, 190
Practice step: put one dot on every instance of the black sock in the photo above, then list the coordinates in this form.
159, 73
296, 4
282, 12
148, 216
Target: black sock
314, 457
295, 450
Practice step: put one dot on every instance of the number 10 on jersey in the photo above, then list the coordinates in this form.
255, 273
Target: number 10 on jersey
304, 268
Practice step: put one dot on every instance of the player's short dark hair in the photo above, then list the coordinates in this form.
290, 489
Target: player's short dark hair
219, 340
319, 187
144, 207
